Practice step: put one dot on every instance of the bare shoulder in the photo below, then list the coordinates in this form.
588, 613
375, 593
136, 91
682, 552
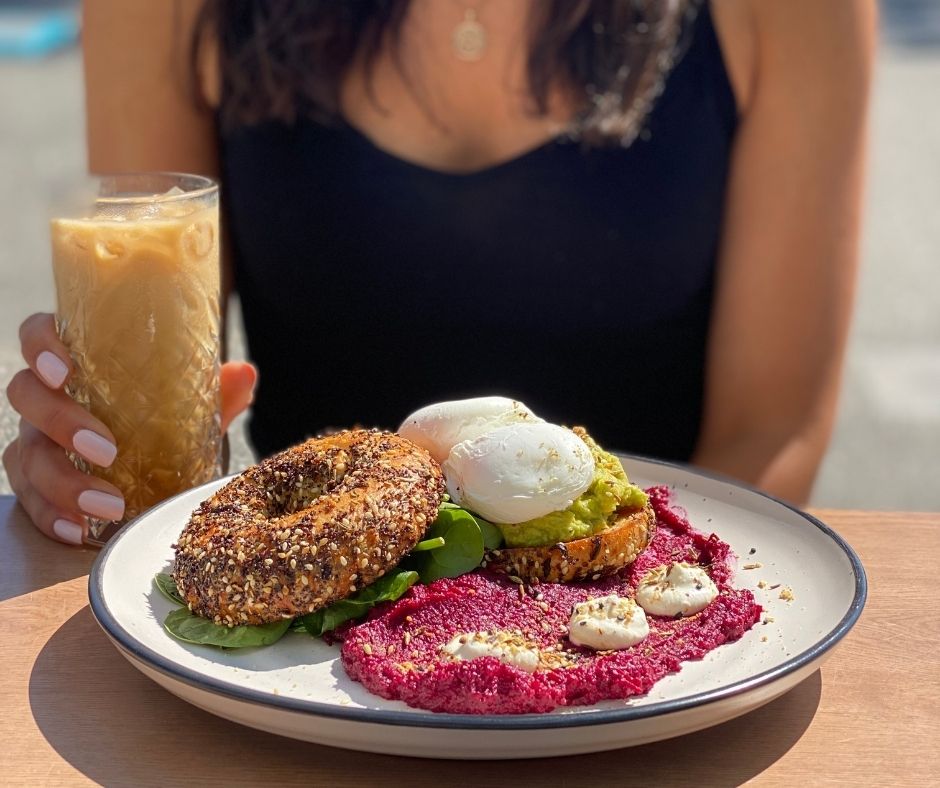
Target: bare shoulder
819, 47
815, 47
140, 91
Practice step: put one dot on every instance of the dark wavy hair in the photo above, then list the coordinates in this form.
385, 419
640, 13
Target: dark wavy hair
281, 59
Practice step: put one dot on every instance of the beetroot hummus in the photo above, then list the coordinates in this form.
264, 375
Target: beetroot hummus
398, 653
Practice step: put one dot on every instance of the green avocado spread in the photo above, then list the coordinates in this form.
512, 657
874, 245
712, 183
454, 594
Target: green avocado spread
610, 490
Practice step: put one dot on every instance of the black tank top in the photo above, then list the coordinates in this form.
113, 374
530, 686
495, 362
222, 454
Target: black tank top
577, 280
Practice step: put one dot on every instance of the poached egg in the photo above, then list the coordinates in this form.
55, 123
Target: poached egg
518, 472
441, 426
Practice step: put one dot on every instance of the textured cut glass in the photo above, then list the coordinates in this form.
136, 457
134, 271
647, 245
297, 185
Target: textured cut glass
137, 283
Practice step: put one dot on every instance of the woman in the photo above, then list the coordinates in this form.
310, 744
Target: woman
437, 198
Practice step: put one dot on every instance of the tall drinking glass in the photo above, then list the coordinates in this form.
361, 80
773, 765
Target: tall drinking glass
137, 285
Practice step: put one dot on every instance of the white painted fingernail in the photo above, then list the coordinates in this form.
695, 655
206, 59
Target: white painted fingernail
51, 369
94, 448
101, 504
67, 531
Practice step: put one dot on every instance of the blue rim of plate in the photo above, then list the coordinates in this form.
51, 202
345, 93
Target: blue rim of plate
494, 722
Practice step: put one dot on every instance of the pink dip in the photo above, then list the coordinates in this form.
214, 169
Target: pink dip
396, 653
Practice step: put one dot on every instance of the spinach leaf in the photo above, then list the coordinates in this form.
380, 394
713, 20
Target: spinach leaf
184, 625
492, 536
462, 550
428, 544
166, 585
387, 588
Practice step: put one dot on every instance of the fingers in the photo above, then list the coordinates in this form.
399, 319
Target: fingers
48, 470
237, 382
43, 350
66, 422
62, 525
55, 494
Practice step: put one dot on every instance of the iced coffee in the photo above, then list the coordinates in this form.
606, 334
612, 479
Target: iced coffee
137, 283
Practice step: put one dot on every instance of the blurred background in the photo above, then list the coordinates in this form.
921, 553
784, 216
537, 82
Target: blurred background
885, 453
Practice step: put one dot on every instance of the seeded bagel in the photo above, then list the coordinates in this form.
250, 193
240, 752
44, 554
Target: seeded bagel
591, 558
307, 527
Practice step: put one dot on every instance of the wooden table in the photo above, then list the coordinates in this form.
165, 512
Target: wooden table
74, 711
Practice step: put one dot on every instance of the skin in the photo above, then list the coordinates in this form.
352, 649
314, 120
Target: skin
800, 71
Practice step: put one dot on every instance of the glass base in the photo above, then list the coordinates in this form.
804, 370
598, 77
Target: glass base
100, 531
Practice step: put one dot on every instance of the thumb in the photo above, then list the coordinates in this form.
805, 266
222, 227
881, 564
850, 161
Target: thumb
238, 388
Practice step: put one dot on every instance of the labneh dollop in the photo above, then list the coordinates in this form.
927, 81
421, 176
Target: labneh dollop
410, 650
508, 647
679, 589
608, 623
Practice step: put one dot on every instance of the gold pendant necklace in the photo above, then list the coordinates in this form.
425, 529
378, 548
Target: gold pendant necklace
469, 38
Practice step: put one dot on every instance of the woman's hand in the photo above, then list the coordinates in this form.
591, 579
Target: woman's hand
55, 494
238, 389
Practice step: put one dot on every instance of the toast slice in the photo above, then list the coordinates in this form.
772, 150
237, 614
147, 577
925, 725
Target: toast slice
592, 558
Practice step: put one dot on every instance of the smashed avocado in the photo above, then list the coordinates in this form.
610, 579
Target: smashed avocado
610, 490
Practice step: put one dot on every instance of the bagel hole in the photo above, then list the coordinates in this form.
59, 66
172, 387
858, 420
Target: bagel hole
293, 489
297, 498
287, 496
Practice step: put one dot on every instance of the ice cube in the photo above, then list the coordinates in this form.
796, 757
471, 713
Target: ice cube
109, 250
198, 238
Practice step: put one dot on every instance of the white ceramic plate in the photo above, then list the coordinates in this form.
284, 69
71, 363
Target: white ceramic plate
298, 687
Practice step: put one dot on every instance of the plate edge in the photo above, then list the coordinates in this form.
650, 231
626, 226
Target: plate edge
488, 722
